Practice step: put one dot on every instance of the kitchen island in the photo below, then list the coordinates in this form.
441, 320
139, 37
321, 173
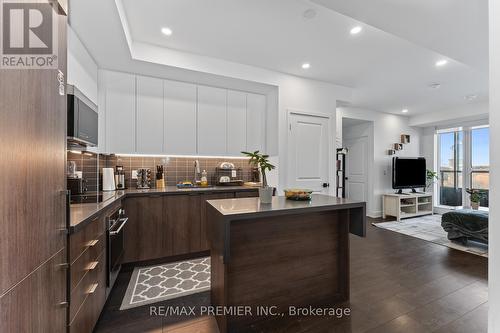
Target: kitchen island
279, 255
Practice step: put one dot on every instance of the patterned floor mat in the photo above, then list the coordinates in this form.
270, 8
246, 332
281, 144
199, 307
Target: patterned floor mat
162, 282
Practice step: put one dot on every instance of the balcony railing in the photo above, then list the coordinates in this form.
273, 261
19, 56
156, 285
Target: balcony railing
450, 189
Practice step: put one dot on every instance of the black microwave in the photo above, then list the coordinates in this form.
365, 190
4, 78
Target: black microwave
82, 119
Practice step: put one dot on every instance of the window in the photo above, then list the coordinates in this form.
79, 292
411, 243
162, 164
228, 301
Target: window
450, 168
463, 162
480, 162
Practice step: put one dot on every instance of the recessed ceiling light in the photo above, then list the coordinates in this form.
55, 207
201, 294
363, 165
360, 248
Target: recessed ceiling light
441, 62
306, 65
404, 111
435, 85
309, 13
166, 31
470, 97
356, 30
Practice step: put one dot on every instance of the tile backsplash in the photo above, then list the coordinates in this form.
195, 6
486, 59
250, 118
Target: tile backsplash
88, 163
177, 169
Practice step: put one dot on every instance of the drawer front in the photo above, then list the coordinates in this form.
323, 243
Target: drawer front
84, 262
85, 238
81, 291
249, 194
94, 298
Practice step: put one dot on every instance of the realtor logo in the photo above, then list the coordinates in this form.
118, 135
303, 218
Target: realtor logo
28, 35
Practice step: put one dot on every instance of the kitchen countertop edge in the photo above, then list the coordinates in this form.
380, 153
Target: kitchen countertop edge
82, 214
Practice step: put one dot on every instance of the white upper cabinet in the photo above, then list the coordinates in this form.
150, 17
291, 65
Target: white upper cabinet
256, 124
180, 118
145, 115
119, 103
211, 121
149, 115
236, 122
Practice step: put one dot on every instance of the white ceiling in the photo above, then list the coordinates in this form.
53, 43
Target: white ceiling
390, 64
455, 28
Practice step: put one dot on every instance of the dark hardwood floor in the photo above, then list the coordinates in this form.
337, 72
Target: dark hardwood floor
398, 284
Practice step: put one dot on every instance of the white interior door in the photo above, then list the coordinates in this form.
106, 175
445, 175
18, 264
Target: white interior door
356, 168
309, 158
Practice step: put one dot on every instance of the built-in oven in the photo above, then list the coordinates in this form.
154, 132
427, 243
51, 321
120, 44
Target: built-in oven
115, 245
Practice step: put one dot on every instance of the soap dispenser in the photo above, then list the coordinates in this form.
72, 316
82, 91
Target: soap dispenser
204, 180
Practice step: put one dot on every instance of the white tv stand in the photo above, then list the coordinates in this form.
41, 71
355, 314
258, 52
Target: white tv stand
407, 205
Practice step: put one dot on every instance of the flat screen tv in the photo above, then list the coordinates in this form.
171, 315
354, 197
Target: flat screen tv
408, 173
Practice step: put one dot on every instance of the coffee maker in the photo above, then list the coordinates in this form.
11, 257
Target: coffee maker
76, 184
120, 177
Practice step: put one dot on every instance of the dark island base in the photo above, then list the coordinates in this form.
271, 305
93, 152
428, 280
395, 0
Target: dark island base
291, 260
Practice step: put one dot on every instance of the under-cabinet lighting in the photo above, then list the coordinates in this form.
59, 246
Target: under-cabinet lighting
187, 156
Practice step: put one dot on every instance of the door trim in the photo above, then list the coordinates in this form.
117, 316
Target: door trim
331, 143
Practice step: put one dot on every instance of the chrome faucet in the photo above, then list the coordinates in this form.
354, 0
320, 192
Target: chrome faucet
196, 171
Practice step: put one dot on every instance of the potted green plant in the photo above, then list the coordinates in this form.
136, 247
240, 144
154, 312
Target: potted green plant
475, 197
431, 177
261, 161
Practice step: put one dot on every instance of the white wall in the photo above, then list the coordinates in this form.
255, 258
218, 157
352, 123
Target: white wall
387, 129
82, 69
427, 146
494, 228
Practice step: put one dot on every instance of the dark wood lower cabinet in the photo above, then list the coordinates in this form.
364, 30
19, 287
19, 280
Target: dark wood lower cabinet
31, 306
32, 198
88, 260
182, 213
252, 194
169, 225
95, 298
204, 228
146, 229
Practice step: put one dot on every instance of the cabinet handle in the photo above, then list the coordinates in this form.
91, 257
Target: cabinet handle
63, 304
92, 265
63, 266
92, 288
92, 243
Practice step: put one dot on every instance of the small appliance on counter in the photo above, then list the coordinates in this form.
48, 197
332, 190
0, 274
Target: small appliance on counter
108, 179
75, 183
77, 186
160, 177
226, 174
226, 166
120, 177
143, 178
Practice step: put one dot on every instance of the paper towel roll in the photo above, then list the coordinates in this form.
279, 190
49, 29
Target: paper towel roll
108, 179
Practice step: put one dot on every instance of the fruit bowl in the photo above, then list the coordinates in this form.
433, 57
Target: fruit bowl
298, 194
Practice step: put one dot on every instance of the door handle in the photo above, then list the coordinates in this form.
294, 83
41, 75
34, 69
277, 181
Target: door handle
326, 185
117, 231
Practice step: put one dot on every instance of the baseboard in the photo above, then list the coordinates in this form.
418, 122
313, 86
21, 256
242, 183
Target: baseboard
374, 214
